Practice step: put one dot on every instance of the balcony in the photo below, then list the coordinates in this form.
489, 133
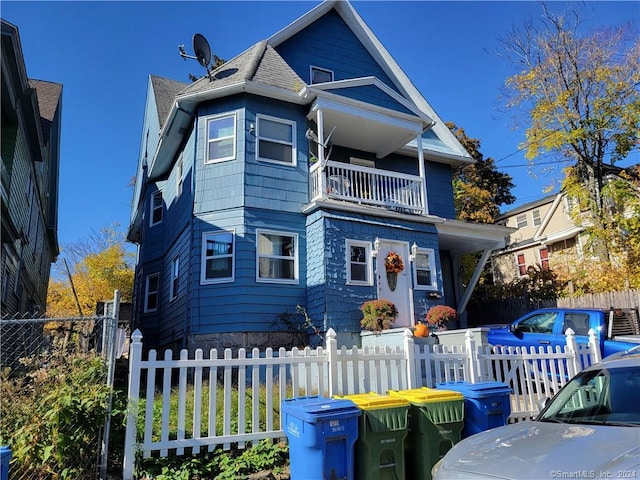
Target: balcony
367, 186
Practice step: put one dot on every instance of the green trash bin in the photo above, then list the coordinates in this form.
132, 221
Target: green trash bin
382, 428
435, 422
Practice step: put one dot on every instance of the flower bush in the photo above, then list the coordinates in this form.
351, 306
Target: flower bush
393, 263
439, 315
378, 315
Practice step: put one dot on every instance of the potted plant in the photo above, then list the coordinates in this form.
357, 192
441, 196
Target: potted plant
393, 265
440, 315
378, 315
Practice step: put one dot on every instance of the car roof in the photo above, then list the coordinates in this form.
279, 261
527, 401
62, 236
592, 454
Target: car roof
629, 358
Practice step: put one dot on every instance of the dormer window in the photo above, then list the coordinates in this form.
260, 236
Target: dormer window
321, 75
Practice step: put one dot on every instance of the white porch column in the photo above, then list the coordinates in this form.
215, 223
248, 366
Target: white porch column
423, 175
321, 160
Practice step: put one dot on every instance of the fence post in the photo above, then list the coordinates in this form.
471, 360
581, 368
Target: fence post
472, 356
410, 357
133, 400
594, 347
332, 361
572, 348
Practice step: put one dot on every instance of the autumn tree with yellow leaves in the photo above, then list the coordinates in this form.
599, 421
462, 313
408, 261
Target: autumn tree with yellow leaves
97, 266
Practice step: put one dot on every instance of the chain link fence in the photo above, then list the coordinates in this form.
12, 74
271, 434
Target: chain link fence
56, 394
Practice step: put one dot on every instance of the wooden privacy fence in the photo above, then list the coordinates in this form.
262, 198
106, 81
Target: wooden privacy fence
200, 403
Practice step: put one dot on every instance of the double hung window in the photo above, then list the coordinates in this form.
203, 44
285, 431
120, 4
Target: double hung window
221, 138
276, 140
522, 264
151, 292
218, 257
424, 269
277, 257
156, 208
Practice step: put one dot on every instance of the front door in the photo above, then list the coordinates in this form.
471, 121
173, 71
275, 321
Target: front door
395, 287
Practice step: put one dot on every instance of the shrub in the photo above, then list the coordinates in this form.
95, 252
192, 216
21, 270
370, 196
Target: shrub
439, 315
378, 315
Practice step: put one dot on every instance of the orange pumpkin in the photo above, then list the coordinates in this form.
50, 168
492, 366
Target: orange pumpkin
421, 330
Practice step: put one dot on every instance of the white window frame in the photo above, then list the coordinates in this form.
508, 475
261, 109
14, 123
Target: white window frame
536, 219
179, 176
148, 293
175, 278
368, 262
287, 281
292, 144
314, 68
153, 208
542, 260
521, 221
518, 264
209, 141
204, 258
431, 255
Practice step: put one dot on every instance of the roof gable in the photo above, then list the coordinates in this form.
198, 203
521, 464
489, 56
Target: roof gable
164, 91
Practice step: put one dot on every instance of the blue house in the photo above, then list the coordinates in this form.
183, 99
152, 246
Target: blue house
285, 177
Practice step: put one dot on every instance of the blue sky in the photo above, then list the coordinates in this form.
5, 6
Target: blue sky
103, 52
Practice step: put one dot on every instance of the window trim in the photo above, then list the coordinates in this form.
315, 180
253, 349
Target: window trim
536, 220
293, 144
368, 263
204, 258
153, 208
175, 278
148, 293
431, 253
296, 265
543, 260
520, 266
524, 223
319, 69
208, 141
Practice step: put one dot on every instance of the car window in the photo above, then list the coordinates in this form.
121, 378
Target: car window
539, 323
578, 322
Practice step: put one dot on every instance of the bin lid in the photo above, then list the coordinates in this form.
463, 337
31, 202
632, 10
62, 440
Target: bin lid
427, 395
314, 408
375, 401
477, 390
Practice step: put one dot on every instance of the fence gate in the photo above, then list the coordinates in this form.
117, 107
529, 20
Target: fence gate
56, 383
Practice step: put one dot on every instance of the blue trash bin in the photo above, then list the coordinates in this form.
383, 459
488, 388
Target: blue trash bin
486, 404
5, 458
322, 433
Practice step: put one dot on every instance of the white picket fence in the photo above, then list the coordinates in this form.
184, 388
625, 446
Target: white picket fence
254, 383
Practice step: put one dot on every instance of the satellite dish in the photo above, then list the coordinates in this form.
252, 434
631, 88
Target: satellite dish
202, 50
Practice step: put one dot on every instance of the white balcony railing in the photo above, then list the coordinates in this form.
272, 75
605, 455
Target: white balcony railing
368, 186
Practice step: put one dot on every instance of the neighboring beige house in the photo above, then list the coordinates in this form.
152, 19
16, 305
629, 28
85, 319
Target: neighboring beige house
546, 236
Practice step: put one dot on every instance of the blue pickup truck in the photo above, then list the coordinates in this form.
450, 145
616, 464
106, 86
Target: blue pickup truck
616, 330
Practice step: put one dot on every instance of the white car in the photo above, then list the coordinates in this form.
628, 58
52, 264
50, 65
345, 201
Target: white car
591, 429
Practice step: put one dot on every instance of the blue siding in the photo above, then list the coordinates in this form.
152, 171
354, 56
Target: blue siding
329, 43
329, 297
440, 190
373, 95
245, 304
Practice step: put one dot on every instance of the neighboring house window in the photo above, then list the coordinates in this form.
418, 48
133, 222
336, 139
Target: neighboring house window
544, 257
522, 265
321, 75
221, 138
536, 217
276, 140
359, 264
521, 220
424, 269
179, 178
175, 278
218, 257
277, 257
151, 292
156, 208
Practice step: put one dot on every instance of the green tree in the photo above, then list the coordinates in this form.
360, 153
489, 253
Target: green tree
479, 189
578, 93
98, 265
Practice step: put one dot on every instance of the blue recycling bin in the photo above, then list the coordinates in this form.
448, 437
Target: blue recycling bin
486, 404
5, 458
322, 433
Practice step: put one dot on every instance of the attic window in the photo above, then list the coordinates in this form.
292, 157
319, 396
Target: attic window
321, 75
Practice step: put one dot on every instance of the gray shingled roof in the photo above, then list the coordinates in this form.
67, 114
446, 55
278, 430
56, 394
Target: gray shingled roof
165, 91
260, 63
48, 94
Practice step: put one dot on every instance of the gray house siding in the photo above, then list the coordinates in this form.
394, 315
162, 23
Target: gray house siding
329, 43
